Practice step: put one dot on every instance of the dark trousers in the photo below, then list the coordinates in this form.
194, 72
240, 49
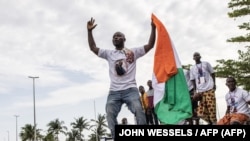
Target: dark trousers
151, 117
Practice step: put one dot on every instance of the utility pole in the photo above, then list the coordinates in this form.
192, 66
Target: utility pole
34, 101
8, 135
16, 127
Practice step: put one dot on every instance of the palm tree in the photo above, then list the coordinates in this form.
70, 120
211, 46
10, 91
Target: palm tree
92, 137
27, 133
74, 135
100, 128
56, 127
49, 137
80, 124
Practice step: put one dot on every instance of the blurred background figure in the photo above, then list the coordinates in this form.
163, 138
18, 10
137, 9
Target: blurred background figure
124, 121
194, 120
150, 94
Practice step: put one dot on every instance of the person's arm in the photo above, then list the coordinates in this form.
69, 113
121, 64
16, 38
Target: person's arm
196, 96
194, 85
228, 110
146, 100
90, 26
151, 40
213, 76
248, 102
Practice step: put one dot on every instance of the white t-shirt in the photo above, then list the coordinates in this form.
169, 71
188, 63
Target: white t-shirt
127, 57
237, 100
201, 73
150, 92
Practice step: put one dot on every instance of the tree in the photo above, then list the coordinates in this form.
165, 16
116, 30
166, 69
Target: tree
27, 133
100, 128
240, 8
80, 124
56, 127
240, 69
74, 135
49, 137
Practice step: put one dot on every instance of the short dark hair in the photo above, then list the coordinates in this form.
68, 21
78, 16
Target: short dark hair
197, 53
231, 77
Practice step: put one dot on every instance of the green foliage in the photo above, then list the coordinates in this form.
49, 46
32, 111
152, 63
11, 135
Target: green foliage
49, 137
28, 131
99, 129
240, 69
240, 39
79, 125
240, 8
56, 127
186, 67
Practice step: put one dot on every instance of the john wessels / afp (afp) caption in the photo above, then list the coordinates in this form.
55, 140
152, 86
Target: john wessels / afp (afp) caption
163, 132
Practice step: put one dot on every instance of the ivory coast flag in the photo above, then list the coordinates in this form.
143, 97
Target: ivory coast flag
171, 96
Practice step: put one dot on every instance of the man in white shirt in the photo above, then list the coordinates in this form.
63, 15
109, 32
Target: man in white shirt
238, 101
122, 71
203, 77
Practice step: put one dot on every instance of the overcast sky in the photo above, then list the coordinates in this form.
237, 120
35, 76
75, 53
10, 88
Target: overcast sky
48, 38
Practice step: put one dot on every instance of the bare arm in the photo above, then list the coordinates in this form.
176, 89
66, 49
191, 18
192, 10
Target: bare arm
151, 40
194, 85
213, 76
227, 110
197, 96
90, 26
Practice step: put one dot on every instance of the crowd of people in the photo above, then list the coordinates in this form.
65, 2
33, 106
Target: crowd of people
200, 80
147, 98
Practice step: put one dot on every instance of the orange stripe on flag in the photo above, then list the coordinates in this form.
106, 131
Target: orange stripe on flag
164, 60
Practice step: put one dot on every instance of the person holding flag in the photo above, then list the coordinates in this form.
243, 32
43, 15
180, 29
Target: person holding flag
122, 71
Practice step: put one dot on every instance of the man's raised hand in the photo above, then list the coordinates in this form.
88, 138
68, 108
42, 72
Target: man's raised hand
91, 24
